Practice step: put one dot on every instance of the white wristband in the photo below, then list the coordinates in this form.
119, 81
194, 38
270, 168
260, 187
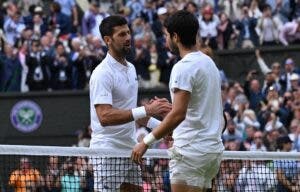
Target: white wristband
138, 113
149, 139
152, 123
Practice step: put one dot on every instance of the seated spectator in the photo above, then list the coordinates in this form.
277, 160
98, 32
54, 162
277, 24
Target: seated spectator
290, 32
52, 174
295, 134
68, 180
25, 178
231, 133
287, 171
257, 144
255, 176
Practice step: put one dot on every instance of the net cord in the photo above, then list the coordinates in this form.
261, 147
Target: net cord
151, 153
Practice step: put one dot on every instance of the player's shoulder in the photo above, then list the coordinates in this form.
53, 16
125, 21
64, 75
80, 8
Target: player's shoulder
102, 70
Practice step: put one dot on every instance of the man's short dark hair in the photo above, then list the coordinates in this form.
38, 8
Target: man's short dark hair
185, 25
107, 25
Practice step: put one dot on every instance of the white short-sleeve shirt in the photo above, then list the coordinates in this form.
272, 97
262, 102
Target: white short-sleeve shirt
202, 127
115, 84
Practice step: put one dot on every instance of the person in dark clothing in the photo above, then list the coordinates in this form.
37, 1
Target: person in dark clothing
38, 68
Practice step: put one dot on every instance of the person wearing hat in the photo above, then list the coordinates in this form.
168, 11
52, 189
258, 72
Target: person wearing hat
287, 171
208, 24
285, 78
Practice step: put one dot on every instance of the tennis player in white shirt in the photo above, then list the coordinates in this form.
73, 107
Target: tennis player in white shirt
113, 110
196, 118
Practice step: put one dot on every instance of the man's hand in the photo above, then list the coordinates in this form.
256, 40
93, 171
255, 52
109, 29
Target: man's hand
158, 106
138, 152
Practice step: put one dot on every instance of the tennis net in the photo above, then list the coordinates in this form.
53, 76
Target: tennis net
72, 169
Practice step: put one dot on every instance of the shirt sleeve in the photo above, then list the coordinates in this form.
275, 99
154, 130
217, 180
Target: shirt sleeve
181, 79
101, 89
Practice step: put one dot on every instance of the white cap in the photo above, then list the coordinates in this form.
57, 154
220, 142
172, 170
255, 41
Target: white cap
294, 76
161, 11
38, 9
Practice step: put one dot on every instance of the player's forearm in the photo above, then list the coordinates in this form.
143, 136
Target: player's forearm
171, 121
116, 117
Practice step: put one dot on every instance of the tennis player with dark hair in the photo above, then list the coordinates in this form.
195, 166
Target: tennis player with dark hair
113, 108
196, 118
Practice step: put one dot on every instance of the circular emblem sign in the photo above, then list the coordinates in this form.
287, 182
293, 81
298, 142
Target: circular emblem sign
26, 116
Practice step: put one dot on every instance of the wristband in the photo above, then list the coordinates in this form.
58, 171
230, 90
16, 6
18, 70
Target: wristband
149, 139
138, 113
152, 123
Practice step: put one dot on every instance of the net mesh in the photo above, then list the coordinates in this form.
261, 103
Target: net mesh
37, 168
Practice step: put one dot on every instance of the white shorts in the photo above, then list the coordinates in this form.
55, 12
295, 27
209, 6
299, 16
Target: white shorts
191, 167
110, 173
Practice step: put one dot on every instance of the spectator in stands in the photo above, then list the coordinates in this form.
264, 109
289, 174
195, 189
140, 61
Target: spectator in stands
294, 81
192, 7
290, 32
248, 37
255, 176
253, 90
148, 13
295, 134
231, 133
275, 69
254, 10
38, 77
268, 27
282, 9
226, 34
231, 8
13, 24
25, 178
84, 137
92, 19
52, 175
142, 61
287, 171
61, 69
59, 22
228, 174
285, 78
258, 145
68, 180
270, 139
11, 79
81, 64
69, 9
208, 23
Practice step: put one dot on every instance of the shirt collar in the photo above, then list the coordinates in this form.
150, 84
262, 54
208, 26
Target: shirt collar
112, 61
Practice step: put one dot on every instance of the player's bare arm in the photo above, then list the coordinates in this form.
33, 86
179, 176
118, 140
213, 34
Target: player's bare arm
108, 115
171, 121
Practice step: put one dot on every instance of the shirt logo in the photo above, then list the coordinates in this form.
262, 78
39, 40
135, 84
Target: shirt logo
26, 116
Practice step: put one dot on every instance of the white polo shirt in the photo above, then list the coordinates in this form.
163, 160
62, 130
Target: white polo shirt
202, 127
115, 84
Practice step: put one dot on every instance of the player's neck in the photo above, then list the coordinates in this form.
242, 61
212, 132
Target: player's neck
120, 58
184, 50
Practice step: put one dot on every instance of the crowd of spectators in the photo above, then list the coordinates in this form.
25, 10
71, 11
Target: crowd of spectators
57, 49
54, 45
